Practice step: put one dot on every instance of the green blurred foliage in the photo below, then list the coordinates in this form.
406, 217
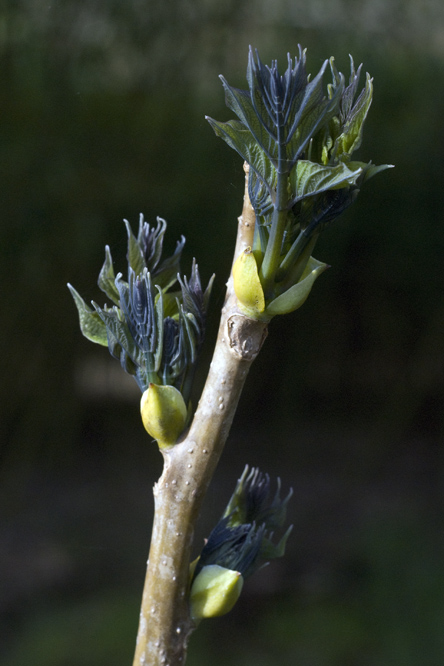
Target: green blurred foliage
103, 117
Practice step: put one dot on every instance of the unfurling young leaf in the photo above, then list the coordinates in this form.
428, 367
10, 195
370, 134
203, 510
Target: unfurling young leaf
295, 296
240, 544
91, 323
298, 140
154, 333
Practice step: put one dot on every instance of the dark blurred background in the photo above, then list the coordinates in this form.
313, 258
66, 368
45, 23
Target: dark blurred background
102, 117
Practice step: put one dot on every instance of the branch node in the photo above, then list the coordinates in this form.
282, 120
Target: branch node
246, 336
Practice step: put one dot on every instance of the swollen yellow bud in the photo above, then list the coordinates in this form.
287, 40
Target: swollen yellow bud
164, 413
214, 592
247, 285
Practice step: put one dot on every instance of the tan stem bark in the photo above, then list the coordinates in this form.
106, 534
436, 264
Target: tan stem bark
165, 624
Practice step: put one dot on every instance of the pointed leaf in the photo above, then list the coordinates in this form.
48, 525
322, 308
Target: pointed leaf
276, 99
369, 170
256, 122
277, 94
351, 136
207, 292
137, 302
119, 331
335, 76
315, 111
159, 332
307, 101
309, 178
295, 296
241, 139
135, 257
181, 357
169, 349
269, 550
166, 273
350, 92
107, 278
91, 324
150, 241
170, 307
259, 195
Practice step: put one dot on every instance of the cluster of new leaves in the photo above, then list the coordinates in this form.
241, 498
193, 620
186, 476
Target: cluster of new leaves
155, 333
298, 140
242, 539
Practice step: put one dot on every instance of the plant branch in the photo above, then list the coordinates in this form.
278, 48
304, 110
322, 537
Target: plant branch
165, 624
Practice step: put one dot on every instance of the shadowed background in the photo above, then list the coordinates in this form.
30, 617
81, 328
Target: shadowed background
102, 107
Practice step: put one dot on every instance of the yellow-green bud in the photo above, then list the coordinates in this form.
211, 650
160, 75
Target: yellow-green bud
247, 284
214, 592
164, 413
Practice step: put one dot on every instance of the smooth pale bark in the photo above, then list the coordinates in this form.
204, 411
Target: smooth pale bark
165, 624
